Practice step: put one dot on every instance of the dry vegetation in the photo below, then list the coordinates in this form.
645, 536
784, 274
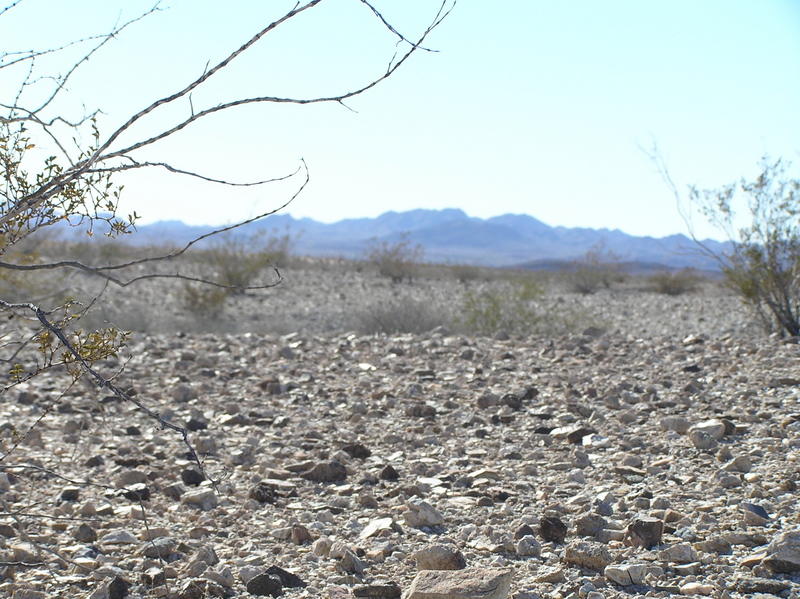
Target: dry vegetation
332, 295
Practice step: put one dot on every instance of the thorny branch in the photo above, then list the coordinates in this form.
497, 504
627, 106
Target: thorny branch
104, 271
103, 382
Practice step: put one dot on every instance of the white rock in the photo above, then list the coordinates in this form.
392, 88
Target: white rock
421, 513
696, 588
528, 546
203, 498
626, 574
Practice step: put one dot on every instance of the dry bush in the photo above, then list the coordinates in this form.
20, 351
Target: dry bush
238, 262
599, 268
398, 260
203, 301
510, 309
400, 314
675, 282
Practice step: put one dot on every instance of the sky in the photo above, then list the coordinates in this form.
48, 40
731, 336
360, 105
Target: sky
526, 106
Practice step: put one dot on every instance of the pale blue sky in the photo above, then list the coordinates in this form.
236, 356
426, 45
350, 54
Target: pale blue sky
528, 107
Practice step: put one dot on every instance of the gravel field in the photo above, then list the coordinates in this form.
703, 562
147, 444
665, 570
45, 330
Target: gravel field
648, 446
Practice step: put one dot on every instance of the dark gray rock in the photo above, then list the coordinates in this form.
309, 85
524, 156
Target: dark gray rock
84, 533
265, 584
118, 588
644, 532
288, 580
192, 475
326, 472
384, 591
263, 493
552, 529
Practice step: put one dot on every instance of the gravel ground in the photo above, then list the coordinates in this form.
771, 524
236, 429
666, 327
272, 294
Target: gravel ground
651, 451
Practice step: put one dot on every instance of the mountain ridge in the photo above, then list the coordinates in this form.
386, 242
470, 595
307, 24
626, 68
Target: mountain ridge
450, 235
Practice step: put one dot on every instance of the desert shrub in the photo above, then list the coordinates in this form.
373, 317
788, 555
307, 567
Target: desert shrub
464, 273
763, 264
203, 301
237, 262
395, 260
675, 282
400, 314
509, 308
599, 268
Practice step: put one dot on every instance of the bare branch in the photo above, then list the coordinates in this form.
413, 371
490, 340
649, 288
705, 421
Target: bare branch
104, 271
339, 99
392, 29
657, 159
134, 165
103, 382
9, 7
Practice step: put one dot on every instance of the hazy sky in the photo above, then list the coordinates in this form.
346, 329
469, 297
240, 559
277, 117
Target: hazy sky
527, 107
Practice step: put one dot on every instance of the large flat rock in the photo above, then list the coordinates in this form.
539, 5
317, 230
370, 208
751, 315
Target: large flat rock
461, 584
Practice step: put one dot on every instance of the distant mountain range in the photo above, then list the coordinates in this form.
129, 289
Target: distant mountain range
451, 236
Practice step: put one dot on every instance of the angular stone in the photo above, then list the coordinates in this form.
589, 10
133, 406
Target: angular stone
626, 574
118, 588
682, 553
383, 591
205, 499
740, 463
389, 473
644, 532
528, 546
589, 525
192, 475
119, 537
376, 526
357, 451
550, 574
263, 493
265, 584
350, 564
588, 554
754, 515
715, 428
461, 584
677, 424
422, 513
768, 586
783, 553
223, 576
552, 529
70, 494
523, 531
288, 580
440, 557
326, 472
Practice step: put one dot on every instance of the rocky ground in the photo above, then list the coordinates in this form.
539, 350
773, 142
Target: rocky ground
654, 453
